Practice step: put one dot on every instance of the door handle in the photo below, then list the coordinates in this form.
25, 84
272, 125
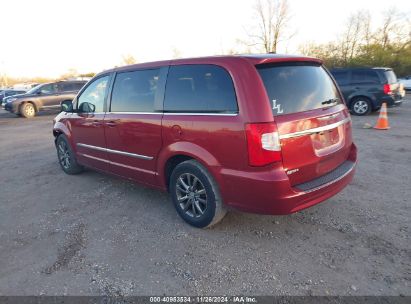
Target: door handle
111, 123
96, 123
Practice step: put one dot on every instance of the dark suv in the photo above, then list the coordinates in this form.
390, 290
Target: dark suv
43, 96
266, 134
365, 89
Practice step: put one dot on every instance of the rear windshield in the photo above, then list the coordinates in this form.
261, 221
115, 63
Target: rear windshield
391, 77
298, 87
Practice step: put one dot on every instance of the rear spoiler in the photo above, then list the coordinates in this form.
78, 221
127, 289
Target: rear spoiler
302, 60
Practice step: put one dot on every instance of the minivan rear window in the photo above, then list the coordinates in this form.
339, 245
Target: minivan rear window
298, 87
391, 77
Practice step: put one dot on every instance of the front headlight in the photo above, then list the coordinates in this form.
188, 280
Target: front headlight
10, 100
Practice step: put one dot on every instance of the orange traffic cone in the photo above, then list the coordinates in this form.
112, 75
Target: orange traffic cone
382, 122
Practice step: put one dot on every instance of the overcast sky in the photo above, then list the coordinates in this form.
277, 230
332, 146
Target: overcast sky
48, 37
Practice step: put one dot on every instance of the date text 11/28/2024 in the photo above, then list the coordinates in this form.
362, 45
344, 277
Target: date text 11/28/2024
203, 299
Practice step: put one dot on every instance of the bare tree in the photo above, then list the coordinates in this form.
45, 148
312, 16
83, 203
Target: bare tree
273, 21
129, 59
176, 53
396, 27
357, 33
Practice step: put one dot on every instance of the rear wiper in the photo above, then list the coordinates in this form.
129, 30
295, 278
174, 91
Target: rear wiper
330, 101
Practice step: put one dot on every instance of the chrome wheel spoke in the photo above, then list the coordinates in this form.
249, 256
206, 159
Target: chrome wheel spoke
202, 200
181, 181
197, 205
200, 192
195, 182
182, 199
181, 189
191, 195
193, 209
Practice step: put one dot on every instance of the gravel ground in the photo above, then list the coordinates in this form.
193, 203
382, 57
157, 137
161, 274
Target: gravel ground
94, 234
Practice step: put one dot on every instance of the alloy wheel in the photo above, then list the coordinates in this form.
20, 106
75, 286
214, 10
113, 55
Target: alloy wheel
360, 107
191, 195
29, 110
64, 155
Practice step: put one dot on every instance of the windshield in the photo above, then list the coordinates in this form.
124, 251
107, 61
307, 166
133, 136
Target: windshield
34, 90
298, 87
391, 77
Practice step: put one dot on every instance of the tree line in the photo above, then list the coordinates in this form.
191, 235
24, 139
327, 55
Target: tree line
360, 42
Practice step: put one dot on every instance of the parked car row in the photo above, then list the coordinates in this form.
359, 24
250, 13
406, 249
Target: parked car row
266, 134
43, 96
406, 82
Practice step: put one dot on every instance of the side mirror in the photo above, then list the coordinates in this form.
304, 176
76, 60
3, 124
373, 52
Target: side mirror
38, 92
86, 107
66, 106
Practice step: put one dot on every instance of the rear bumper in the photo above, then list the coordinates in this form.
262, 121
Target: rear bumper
270, 192
392, 101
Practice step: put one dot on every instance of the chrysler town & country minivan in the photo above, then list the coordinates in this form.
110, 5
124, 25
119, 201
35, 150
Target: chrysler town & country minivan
267, 134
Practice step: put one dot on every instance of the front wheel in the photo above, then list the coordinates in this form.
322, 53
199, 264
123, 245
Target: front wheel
360, 106
66, 157
27, 110
195, 195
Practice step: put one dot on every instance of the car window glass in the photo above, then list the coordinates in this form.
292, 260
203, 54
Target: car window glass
298, 87
92, 98
341, 77
391, 77
364, 76
135, 91
78, 86
48, 88
199, 88
65, 87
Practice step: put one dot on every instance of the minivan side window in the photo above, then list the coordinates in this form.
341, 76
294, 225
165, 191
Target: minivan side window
364, 76
341, 77
199, 88
135, 91
92, 98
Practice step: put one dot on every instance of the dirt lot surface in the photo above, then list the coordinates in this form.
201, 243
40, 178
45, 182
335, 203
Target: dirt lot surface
96, 234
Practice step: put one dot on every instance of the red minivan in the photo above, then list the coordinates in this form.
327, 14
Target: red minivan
267, 134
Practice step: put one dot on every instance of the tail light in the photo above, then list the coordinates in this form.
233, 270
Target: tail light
263, 144
387, 89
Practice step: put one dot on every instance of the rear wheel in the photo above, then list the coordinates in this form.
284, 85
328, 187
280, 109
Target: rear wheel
360, 106
66, 157
27, 110
195, 195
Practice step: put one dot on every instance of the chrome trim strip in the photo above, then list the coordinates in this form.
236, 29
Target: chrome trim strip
56, 106
328, 116
148, 113
201, 114
118, 164
330, 182
315, 130
115, 151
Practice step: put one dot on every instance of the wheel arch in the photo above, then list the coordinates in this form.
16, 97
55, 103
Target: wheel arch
179, 152
60, 128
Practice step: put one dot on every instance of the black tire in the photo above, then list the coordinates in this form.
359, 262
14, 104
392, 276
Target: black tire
66, 157
27, 110
360, 106
200, 208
